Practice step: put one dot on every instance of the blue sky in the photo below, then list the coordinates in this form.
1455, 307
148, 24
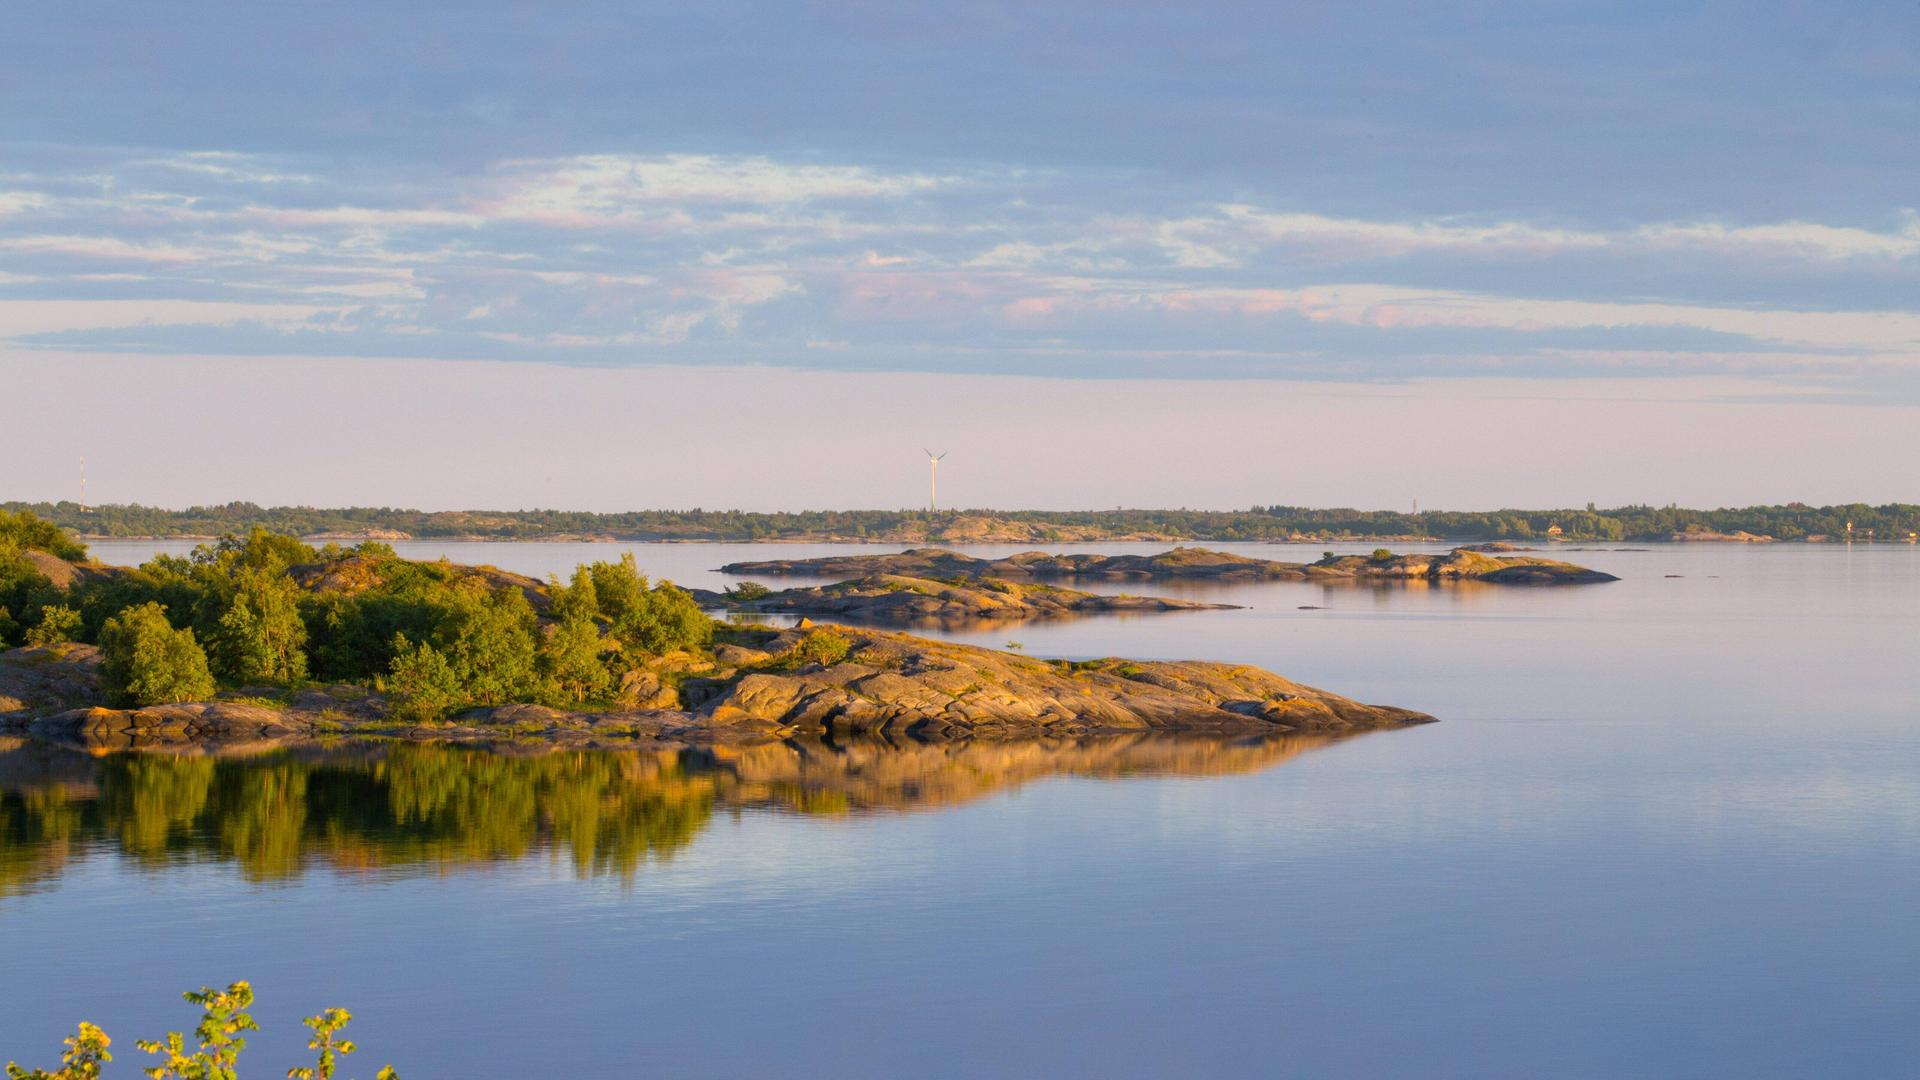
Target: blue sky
1717, 197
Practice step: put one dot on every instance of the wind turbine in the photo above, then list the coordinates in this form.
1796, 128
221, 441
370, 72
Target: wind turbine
933, 479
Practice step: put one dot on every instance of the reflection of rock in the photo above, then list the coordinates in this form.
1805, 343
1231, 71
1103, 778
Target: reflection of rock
1182, 563
367, 806
897, 599
867, 774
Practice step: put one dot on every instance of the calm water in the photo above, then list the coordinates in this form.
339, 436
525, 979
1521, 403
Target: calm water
1669, 827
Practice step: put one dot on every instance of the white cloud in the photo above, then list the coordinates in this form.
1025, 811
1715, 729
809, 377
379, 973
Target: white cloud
601, 188
20, 318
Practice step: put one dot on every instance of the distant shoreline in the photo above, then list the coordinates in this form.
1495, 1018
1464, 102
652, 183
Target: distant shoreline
1792, 522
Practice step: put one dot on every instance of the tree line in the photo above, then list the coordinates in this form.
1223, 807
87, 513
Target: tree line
1791, 521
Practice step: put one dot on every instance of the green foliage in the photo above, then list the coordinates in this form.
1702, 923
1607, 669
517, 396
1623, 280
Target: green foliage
220, 1037
570, 665
260, 637
577, 600
1381, 555
24, 593
748, 590
647, 621
1014, 646
326, 1039
26, 529
820, 646
58, 623
85, 1053
220, 1034
145, 661
422, 683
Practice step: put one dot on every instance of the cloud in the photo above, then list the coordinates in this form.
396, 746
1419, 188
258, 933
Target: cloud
704, 258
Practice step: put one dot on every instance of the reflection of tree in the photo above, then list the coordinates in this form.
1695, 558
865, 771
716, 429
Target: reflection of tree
396, 806
152, 801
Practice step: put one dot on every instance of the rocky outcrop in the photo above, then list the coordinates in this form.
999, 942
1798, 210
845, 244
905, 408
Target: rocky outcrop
896, 683
358, 573
1179, 563
909, 600
41, 679
200, 721
1460, 564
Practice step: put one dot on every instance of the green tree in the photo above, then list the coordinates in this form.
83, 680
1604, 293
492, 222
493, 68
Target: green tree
58, 623
577, 600
647, 621
422, 684
145, 661
260, 637
570, 663
823, 647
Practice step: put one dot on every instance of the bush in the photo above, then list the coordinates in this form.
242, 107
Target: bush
647, 621
145, 661
570, 664
58, 623
28, 530
823, 647
422, 684
1382, 555
260, 637
748, 590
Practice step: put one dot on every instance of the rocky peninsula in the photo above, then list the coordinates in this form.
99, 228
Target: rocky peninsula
1183, 563
759, 684
898, 598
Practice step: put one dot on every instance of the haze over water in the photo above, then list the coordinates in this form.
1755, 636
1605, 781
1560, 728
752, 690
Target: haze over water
1667, 826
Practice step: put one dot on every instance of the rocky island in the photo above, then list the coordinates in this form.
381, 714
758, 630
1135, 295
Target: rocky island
758, 684
902, 599
1460, 564
265, 638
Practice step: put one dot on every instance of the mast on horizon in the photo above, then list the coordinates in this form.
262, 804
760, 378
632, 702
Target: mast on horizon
933, 480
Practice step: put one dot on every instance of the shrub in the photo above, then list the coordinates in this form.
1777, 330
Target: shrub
570, 666
29, 530
647, 621
145, 661
1382, 555
748, 590
820, 646
422, 684
58, 623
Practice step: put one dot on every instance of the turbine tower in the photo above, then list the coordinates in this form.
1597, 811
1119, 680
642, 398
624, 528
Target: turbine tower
933, 480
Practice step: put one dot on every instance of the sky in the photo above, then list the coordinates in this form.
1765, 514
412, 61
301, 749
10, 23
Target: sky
757, 255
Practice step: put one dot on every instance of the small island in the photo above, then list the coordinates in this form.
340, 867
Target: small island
899, 598
1184, 563
266, 638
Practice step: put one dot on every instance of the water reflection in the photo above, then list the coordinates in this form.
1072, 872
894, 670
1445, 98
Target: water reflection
401, 807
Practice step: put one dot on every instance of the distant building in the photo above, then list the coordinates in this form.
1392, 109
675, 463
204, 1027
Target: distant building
1555, 529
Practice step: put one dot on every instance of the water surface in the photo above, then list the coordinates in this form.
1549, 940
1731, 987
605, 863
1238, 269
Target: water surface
1668, 826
